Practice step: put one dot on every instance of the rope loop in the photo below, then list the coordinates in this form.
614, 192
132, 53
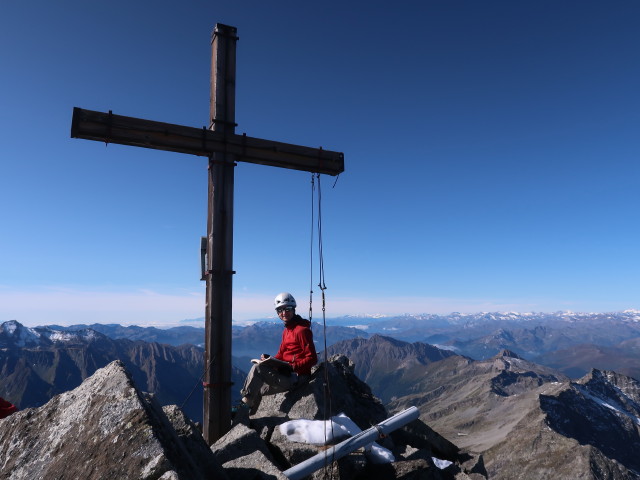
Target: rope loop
313, 190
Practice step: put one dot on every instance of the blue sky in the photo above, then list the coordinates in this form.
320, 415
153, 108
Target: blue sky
491, 152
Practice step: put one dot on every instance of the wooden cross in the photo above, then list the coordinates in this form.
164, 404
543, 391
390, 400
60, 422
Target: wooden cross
223, 148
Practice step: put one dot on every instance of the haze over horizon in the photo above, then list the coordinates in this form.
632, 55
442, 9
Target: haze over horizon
491, 157
366, 318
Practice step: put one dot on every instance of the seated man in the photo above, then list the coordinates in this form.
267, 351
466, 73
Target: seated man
297, 351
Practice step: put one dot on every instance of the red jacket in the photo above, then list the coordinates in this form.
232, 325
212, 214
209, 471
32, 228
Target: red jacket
297, 346
6, 408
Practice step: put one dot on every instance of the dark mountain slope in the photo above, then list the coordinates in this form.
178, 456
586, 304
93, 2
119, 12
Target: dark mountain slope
576, 361
171, 336
478, 402
391, 367
526, 342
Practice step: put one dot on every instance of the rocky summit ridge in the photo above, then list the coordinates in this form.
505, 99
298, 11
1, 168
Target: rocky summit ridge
107, 428
531, 422
585, 429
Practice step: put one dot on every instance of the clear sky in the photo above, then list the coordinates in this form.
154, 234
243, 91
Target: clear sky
491, 152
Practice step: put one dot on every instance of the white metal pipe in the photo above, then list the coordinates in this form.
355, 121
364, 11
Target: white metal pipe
353, 443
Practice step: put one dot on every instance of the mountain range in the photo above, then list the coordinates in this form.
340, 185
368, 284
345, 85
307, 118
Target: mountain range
38, 363
392, 367
570, 342
521, 415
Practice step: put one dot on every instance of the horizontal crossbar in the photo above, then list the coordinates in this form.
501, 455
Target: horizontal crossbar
110, 128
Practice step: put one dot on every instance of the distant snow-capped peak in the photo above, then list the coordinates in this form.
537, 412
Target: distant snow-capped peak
17, 334
13, 333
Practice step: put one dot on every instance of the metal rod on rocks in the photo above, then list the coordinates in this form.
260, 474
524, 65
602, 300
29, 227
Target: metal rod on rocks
349, 445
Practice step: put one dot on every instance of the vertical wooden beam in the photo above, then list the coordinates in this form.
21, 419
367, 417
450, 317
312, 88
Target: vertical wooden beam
218, 308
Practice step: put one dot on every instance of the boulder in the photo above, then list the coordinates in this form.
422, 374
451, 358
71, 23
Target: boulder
105, 428
332, 389
192, 439
239, 442
255, 466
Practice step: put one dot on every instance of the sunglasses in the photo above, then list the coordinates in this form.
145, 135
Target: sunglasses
284, 309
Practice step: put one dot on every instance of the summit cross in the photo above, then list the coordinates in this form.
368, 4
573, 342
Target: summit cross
224, 148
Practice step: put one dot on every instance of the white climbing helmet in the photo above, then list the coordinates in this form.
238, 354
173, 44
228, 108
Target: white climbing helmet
285, 299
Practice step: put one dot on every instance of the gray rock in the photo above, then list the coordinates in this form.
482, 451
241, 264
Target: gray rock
411, 453
105, 428
473, 464
350, 467
332, 389
254, 466
293, 452
171, 475
239, 441
416, 469
192, 439
419, 435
